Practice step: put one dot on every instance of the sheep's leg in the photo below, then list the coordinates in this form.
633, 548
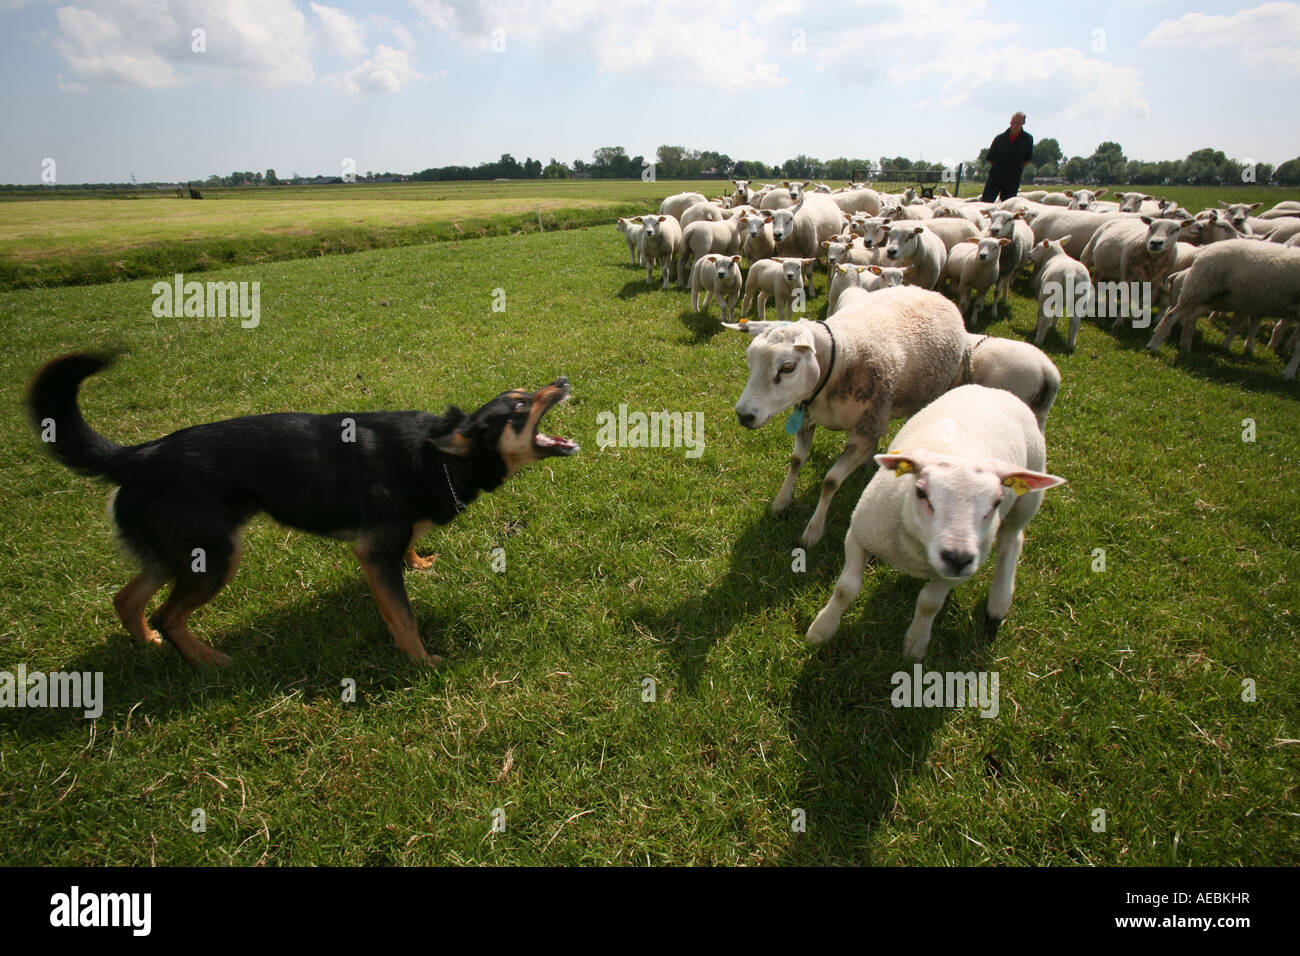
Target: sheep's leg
762, 306
1189, 328
695, 294
1233, 328
1043, 325
802, 445
649, 268
1250, 337
928, 603
1010, 543
858, 449
1166, 325
1279, 329
846, 592
1290, 370
666, 262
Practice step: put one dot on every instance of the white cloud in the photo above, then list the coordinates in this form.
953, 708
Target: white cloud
1266, 37
387, 71
341, 33
725, 46
133, 45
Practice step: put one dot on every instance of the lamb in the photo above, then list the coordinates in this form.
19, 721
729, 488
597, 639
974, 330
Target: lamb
719, 278
894, 210
839, 249
1256, 279
1133, 250
918, 247
701, 212
966, 469
1063, 286
1057, 223
1022, 369
677, 204
659, 243
743, 194
756, 240
894, 352
780, 279
1239, 213
846, 277
973, 265
632, 231
783, 198
1015, 255
701, 238
858, 200
952, 231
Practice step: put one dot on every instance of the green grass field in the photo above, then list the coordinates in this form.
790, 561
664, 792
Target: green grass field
1120, 690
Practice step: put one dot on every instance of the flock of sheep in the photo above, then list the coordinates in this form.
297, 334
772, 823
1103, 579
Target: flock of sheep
966, 469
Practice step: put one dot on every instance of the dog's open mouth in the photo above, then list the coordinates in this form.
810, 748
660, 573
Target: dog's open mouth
545, 444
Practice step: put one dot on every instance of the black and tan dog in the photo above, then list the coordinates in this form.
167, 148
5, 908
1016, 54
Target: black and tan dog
379, 479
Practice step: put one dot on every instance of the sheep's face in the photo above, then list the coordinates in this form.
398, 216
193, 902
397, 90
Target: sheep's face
1084, 198
653, 225
1132, 202
792, 272
990, 248
783, 371
903, 241
836, 252
725, 268
954, 505
782, 224
1239, 213
890, 276
1162, 234
1002, 224
796, 191
874, 232
756, 224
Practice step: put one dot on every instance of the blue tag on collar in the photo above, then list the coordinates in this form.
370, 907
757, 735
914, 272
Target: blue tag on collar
794, 423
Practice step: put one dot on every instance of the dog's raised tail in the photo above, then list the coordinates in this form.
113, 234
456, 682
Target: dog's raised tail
52, 407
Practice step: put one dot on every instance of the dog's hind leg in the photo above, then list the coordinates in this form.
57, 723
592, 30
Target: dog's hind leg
193, 589
381, 564
131, 601
413, 560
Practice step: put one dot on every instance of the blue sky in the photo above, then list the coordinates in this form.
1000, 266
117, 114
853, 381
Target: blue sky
110, 89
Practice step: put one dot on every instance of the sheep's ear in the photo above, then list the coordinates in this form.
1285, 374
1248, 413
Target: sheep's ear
1019, 215
986, 212
1146, 219
750, 328
803, 341
1067, 192
1223, 204
1004, 242
1064, 239
663, 218
735, 258
825, 243
1099, 192
971, 239
1021, 480
918, 230
767, 218
904, 464
842, 267
875, 270
1256, 205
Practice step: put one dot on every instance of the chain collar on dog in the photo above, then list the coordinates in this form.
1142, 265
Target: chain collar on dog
794, 424
460, 505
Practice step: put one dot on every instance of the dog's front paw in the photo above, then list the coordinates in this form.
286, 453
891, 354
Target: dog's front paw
413, 560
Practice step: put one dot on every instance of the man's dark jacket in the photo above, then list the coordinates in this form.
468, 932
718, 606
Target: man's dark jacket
1006, 156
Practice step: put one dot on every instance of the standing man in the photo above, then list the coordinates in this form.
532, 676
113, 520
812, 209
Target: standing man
1010, 154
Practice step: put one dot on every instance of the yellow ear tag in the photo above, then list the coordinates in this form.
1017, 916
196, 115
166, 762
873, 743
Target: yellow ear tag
904, 467
1016, 484
744, 321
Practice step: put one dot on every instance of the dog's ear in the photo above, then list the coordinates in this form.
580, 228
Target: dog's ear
453, 441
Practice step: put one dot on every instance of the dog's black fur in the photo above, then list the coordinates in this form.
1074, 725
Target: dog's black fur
194, 489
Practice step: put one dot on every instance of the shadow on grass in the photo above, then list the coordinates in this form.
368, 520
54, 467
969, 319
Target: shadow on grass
703, 326
1209, 361
309, 647
636, 287
760, 574
858, 750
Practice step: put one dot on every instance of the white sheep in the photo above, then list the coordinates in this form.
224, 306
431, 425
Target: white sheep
756, 239
718, 277
632, 231
1138, 249
1064, 287
784, 196
801, 229
703, 237
779, 279
1256, 279
916, 246
896, 211
894, 352
847, 277
701, 212
1061, 200
743, 194
858, 200
1017, 367
965, 470
678, 203
1015, 254
1084, 199
973, 266
1078, 225
659, 243
952, 231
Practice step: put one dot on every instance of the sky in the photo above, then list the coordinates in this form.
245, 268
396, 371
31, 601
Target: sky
172, 91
